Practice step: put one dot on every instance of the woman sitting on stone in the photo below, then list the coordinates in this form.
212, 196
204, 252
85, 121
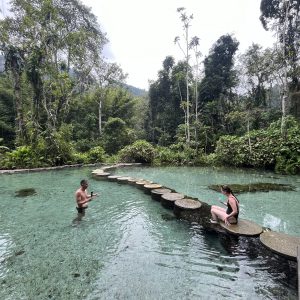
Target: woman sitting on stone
231, 214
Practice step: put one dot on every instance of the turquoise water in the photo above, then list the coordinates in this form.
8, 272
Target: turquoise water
126, 248
276, 210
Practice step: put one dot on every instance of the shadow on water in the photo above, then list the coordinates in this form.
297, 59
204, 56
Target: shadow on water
252, 252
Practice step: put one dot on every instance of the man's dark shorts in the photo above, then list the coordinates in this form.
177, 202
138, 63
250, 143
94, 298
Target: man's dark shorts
81, 209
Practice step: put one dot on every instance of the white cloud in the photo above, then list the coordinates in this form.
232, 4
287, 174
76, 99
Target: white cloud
141, 32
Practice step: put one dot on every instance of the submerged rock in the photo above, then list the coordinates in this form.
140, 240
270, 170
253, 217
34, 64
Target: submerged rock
25, 192
168, 217
255, 187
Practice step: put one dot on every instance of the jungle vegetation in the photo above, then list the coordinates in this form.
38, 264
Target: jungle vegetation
62, 103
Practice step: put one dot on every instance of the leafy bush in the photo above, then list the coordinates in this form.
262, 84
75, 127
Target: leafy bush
177, 154
96, 154
139, 152
80, 158
263, 148
21, 157
116, 135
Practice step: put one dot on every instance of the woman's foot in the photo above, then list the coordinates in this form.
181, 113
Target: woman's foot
214, 221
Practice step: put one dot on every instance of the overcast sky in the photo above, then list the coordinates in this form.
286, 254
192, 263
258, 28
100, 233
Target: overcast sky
142, 32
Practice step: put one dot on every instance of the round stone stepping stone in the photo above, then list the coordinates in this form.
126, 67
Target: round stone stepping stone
141, 183
103, 175
109, 168
113, 177
98, 171
152, 186
167, 200
281, 243
133, 180
157, 193
187, 209
243, 227
123, 179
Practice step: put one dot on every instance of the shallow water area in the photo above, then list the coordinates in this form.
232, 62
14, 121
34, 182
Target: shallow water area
126, 246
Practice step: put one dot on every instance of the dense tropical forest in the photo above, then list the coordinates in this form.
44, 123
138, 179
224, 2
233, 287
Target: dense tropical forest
62, 103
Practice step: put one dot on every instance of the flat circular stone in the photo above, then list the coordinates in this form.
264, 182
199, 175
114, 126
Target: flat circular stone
133, 180
172, 196
187, 203
103, 174
281, 243
113, 177
97, 171
160, 191
152, 186
125, 178
243, 227
143, 182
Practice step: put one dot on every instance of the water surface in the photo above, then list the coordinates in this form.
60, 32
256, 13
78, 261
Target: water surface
126, 248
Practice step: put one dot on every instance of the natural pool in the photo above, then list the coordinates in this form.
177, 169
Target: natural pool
129, 247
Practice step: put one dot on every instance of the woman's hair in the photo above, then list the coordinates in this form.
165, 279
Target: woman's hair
226, 189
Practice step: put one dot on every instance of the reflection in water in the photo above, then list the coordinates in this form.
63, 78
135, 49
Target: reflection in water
5, 253
273, 222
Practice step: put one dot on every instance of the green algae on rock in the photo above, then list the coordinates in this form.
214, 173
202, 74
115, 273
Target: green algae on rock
255, 187
26, 192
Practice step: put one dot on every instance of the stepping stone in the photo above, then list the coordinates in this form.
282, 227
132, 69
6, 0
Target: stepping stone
133, 180
98, 171
112, 177
152, 186
141, 183
187, 209
167, 200
109, 168
123, 179
243, 227
281, 243
103, 175
157, 193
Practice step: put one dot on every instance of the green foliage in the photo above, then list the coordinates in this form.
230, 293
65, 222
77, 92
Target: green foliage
263, 148
7, 112
139, 152
21, 157
165, 96
116, 135
96, 155
177, 154
80, 158
218, 68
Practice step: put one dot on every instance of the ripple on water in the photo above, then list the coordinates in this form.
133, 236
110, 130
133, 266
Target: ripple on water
122, 249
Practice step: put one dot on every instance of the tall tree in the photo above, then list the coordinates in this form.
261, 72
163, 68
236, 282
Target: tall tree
107, 76
186, 21
62, 42
257, 68
283, 17
166, 96
14, 65
219, 76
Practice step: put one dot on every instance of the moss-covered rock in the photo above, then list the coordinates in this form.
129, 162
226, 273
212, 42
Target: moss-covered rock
255, 187
25, 192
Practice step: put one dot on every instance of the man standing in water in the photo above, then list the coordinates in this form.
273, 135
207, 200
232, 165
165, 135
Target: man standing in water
82, 198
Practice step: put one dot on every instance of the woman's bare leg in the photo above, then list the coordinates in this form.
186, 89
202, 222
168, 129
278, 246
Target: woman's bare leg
218, 213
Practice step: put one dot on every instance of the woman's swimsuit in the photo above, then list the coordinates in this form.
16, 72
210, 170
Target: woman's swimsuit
230, 210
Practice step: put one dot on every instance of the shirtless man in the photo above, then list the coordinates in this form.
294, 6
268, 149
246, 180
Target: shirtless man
82, 198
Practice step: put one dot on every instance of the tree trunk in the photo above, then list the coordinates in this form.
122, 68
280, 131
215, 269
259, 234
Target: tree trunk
100, 116
19, 109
